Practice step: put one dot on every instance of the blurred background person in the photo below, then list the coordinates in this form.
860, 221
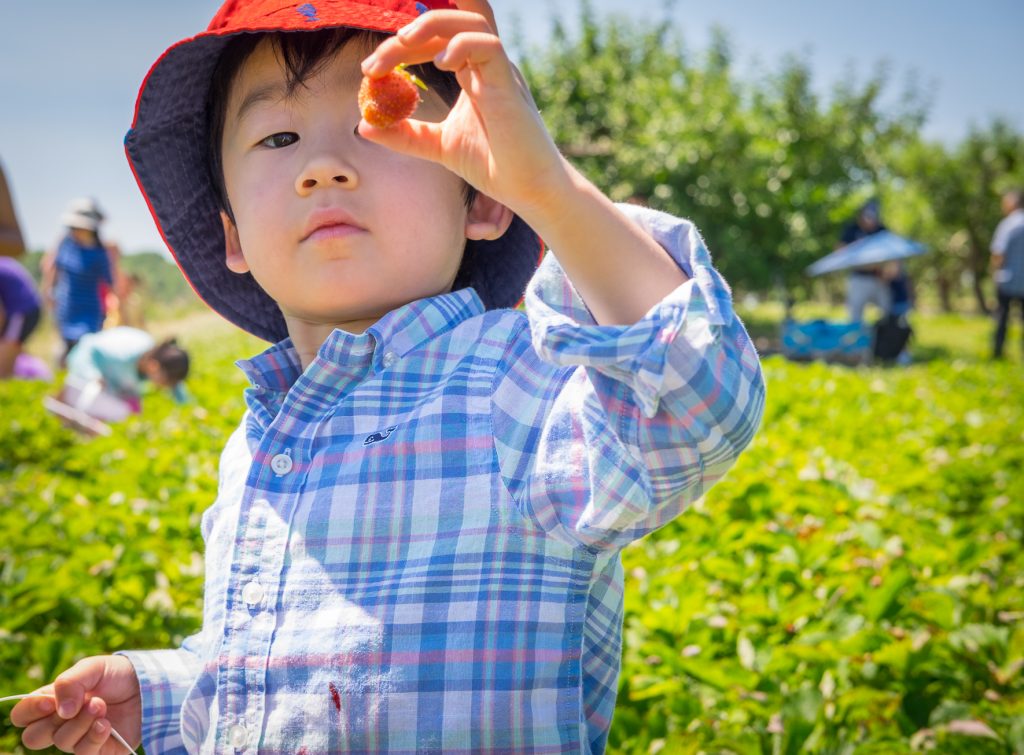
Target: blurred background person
107, 372
20, 307
130, 307
75, 274
901, 288
901, 302
12, 244
865, 285
1008, 264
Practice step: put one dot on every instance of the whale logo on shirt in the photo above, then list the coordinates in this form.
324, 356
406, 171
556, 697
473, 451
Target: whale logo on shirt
377, 437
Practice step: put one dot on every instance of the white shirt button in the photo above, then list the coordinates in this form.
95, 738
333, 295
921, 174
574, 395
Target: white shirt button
389, 358
281, 464
238, 736
252, 594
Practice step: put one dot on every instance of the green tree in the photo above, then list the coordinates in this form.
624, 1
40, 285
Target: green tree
954, 193
765, 168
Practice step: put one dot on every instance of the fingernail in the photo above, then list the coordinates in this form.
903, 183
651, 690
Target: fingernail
408, 30
66, 709
45, 706
99, 727
369, 62
440, 57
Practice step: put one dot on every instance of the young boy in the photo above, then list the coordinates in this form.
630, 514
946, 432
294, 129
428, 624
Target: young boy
415, 545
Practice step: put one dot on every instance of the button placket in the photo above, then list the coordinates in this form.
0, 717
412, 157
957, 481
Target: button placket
273, 486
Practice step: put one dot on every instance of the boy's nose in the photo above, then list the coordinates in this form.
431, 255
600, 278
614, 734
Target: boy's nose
323, 172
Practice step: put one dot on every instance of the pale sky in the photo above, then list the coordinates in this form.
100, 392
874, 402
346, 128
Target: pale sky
70, 71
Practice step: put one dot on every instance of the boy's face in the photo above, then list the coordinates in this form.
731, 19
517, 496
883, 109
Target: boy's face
335, 229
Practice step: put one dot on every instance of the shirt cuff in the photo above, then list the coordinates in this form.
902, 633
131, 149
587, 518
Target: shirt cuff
688, 322
165, 678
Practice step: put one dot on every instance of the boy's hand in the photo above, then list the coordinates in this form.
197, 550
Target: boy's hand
493, 137
76, 712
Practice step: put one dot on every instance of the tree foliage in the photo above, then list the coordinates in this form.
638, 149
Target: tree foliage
766, 166
949, 198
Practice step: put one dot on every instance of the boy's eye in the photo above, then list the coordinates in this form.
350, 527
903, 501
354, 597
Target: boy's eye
277, 141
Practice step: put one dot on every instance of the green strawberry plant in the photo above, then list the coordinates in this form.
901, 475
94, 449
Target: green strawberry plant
854, 585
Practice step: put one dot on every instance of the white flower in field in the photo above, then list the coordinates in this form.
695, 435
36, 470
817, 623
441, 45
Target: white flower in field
809, 473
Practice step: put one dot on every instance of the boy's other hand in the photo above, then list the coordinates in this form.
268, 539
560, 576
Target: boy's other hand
493, 137
76, 712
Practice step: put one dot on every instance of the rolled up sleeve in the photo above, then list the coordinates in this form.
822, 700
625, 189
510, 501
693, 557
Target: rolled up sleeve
642, 419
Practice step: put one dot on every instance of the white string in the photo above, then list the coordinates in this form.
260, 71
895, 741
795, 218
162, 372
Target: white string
113, 732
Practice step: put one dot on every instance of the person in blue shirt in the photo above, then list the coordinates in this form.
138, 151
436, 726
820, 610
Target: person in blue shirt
75, 273
416, 541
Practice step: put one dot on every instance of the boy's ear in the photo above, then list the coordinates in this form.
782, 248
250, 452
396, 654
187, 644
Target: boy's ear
233, 257
487, 219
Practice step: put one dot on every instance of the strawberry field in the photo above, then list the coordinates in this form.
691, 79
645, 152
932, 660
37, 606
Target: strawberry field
855, 585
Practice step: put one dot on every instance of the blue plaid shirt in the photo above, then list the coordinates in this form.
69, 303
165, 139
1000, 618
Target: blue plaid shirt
415, 544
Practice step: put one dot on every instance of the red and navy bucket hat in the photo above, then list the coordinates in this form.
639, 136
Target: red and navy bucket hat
166, 148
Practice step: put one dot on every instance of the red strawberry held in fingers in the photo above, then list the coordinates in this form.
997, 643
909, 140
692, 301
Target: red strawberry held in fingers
389, 99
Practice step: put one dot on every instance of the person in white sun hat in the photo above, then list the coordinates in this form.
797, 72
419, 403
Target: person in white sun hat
75, 273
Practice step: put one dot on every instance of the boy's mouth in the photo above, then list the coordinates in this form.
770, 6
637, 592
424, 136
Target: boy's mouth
330, 223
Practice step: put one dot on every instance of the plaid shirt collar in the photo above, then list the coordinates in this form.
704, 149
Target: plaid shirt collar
346, 358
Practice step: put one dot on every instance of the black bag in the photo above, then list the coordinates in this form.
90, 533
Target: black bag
892, 333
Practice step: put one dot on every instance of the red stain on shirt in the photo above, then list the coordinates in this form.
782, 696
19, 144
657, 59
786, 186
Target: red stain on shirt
335, 696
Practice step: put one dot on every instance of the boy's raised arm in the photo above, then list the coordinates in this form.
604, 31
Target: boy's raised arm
495, 139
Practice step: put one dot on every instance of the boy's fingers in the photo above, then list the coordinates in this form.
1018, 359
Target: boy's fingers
95, 738
478, 6
68, 736
423, 39
420, 139
442, 23
392, 52
40, 705
482, 51
38, 735
71, 686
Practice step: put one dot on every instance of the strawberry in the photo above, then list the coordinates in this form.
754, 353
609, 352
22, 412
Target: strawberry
389, 99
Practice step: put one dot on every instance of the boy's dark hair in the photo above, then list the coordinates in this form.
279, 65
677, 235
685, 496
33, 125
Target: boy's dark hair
173, 359
303, 54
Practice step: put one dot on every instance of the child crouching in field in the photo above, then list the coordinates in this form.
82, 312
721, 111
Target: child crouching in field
107, 371
415, 544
